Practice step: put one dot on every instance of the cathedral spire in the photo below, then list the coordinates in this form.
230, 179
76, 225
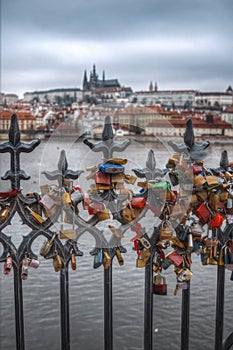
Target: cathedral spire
85, 82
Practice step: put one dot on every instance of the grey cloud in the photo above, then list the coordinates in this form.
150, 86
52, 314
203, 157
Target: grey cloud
128, 34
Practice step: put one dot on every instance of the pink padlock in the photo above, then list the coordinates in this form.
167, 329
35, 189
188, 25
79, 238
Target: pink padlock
34, 263
7, 265
24, 273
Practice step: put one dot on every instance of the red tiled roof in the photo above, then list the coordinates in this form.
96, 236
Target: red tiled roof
197, 123
21, 115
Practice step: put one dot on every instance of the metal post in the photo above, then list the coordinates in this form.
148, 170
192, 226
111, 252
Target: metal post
64, 305
148, 306
185, 318
19, 319
108, 324
219, 308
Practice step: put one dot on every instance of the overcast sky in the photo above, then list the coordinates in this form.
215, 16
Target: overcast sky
182, 44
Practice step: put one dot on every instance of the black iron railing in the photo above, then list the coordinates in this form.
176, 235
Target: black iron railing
127, 209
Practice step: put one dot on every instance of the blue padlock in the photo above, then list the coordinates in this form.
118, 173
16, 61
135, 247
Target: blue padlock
98, 259
109, 168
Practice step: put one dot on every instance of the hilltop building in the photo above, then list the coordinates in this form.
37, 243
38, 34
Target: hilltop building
103, 90
54, 96
94, 81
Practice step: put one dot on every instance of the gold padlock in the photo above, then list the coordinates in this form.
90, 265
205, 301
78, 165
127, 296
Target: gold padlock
166, 231
57, 262
214, 200
35, 215
4, 213
115, 231
140, 262
130, 179
145, 254
119, 257
103, 215
67, 233
66, 199
44, 189
73, 262
228, 176
117, 178
47, 245
199, 180
106, 260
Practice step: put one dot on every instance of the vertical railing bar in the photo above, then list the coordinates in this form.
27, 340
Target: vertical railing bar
64, 307
148, 306
185, 309
19, 318
108, 309
219, 307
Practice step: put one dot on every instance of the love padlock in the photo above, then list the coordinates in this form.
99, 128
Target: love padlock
160, 284
7, 265
216, 221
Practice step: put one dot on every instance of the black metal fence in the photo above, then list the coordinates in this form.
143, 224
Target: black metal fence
40, 211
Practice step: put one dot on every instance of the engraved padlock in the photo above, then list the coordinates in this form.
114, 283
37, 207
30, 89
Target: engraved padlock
47, 245
166, 231
7, 265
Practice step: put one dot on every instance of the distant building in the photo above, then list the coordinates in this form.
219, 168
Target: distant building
7, 99
94, 81
208, 125
227, 114
104, 90
214, 100
1, 98
141, 116
166, 98
26, 120
62, 96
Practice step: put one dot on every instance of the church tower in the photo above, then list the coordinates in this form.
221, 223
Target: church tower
93, 78
85, 82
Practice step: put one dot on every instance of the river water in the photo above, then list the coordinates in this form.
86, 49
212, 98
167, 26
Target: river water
41, 290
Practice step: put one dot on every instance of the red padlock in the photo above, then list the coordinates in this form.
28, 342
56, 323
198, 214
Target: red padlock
138, 202
216, 221
175, 258
102, 179
203, 213
95, 208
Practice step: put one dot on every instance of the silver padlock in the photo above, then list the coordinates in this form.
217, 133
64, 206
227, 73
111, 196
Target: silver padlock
229, 203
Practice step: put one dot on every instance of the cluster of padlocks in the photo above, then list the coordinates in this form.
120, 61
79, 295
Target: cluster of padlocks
196, 203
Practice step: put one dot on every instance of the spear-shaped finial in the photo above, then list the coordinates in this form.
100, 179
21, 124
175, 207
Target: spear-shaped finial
107, 146
195, 151
63, 172
14, 146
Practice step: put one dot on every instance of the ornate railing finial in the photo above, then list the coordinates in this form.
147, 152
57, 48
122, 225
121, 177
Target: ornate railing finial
63, 172
189, 147
107, 146
14, 146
